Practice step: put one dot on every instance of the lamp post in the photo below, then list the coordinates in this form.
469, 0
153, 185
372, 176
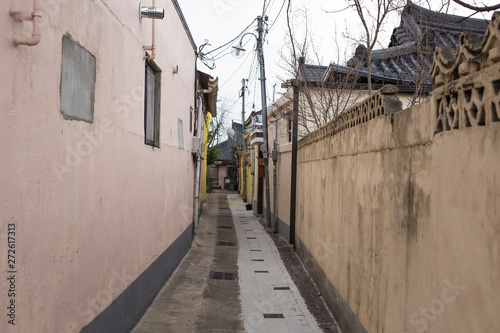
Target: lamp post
238, 52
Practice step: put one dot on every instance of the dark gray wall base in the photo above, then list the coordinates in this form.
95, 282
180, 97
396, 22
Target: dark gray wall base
346, 319
126, 310
284, 230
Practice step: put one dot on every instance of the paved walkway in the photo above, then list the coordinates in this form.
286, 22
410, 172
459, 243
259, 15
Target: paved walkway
270, 300
231, 280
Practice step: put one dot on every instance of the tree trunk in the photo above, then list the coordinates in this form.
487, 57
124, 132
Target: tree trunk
369, 70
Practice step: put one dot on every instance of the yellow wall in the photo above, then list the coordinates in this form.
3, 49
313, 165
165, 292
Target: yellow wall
248, 185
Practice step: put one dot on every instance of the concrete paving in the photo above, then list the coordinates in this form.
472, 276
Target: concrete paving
232, 280
270, 300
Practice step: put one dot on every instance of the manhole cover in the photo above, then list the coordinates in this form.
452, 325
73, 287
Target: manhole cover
223, 276
225, 243
273, 315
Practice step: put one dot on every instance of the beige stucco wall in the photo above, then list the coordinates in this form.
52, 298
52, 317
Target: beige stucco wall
283, 165
255, 176
405, 222
83, 237
284, 182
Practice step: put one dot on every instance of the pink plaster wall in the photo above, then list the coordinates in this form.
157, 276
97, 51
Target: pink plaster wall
222, 175
84, 234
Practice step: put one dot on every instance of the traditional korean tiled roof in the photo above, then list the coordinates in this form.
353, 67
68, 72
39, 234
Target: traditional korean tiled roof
408, 58
227, 147
471, 55
313, 73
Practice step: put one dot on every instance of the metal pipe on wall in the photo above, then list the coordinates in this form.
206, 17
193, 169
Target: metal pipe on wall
198, 169
152, 48
35, 16
275, 181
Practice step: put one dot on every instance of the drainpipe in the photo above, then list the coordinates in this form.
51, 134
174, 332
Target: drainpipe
198, 169
252, 173
151, 48
35, 16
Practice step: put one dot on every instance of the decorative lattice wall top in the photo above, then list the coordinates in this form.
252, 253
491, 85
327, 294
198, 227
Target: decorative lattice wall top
383, 102
467, 84
472, 55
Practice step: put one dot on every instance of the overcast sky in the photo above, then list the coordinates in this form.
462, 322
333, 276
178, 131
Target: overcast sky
220, 21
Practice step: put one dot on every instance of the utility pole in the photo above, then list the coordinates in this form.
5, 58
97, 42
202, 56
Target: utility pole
243, 159
260, 28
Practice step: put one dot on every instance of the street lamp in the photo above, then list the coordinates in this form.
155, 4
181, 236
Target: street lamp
238, 51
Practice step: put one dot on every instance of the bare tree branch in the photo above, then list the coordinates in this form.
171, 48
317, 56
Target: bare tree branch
288, 11
320, 100
372, 24
416, 63
477, 8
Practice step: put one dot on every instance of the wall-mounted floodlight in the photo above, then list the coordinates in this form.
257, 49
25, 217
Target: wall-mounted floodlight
151, 12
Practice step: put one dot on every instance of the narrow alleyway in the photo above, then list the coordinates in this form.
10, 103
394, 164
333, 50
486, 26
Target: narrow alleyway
234, 280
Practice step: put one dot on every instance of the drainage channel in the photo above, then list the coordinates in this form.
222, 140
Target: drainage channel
222, 294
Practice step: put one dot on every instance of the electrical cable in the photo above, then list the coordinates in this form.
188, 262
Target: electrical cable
231, 41
279, 13
242, 63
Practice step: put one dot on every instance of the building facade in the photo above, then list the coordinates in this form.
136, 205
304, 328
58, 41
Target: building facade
97, 170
